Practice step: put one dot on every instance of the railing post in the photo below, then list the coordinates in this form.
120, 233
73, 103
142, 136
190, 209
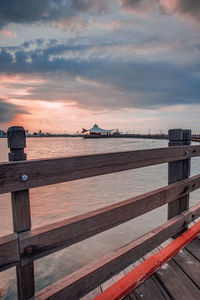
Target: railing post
178, 170
21, 211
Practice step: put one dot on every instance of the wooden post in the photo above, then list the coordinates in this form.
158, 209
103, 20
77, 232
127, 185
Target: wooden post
21, 211
178, 170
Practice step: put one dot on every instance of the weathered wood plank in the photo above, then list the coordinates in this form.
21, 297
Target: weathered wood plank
131, 296
184, 289
86, 279
148, 290
178, 170
51, 171
194, 248
21, 211
163, 291
189, 264
25, 283
51, 238
9, 251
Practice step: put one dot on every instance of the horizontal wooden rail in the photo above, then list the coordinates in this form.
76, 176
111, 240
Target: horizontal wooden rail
9, 251
51, 171
47, 239
86, 279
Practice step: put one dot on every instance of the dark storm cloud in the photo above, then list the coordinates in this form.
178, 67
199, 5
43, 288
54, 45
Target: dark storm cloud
142, 6
136, 4
23, 11
8, 111
98, 5
185, 7
191, 7
30, 11
142, 84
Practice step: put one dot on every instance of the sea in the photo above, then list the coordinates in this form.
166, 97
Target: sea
61, 201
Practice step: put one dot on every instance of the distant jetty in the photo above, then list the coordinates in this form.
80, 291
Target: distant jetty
126, 135
194, 138
98, 133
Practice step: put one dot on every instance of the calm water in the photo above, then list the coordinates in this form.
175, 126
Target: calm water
57, 202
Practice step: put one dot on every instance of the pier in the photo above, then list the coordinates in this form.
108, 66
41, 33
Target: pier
194, 138
26, 245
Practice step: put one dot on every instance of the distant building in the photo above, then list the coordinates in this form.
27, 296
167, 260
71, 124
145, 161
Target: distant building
96, 130
116, 132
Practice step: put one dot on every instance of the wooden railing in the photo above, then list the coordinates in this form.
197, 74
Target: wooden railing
21, 248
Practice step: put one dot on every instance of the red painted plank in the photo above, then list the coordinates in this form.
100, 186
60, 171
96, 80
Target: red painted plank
131, 280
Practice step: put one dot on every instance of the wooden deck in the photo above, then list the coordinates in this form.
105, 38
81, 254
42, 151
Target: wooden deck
178, 279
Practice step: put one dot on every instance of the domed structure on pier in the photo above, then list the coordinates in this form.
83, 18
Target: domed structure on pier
97, 131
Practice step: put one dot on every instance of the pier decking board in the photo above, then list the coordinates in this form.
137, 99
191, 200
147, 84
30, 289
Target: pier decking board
189, 264
177, 283
163, 290
194, 248
148, 290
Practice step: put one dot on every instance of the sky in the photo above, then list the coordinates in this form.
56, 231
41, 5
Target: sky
127, 64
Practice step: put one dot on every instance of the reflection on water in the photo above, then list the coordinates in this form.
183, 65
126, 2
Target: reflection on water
60, 201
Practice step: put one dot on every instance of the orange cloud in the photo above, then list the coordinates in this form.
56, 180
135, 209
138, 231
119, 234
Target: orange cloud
169, 6
8, 33
55, 117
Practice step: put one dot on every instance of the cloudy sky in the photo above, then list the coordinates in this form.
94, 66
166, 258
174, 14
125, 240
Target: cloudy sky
127, 64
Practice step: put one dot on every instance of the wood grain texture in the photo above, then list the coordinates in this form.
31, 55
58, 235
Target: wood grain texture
21, 212
51, 171
148, 290
194, 248
9, 251
189, 264
25, 282
51, 238
176, 282
178, 170
86, 279
167, 297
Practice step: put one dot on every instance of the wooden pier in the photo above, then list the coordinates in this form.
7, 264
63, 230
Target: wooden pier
24, 246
